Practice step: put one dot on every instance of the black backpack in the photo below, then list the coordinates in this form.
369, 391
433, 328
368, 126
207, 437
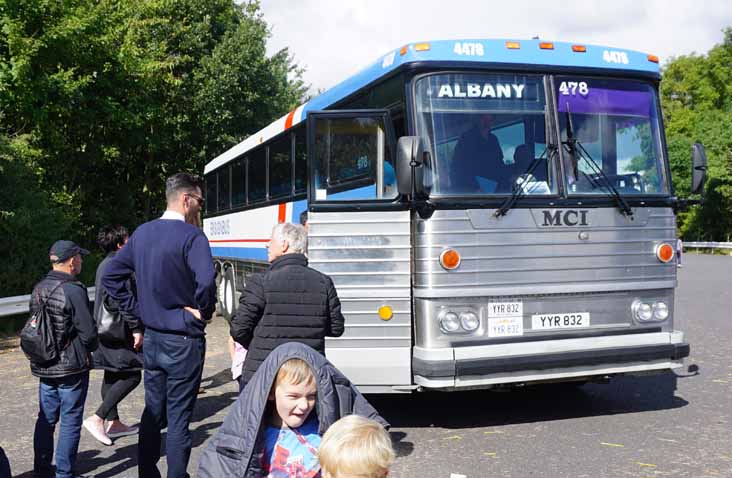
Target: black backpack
37, 338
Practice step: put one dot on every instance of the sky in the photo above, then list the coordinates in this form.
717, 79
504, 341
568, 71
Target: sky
332, 39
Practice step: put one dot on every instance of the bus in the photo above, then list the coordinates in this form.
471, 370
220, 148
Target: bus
493, 213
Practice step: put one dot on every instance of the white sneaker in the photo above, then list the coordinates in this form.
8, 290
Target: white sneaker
97, 431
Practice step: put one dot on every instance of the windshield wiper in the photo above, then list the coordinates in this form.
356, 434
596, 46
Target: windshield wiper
576, 150
520, 190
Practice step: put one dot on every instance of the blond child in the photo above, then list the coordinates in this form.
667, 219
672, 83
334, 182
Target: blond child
291, 438
355, 447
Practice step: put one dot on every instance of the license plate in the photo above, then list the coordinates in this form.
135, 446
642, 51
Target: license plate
505, 319
560, 321
506, 327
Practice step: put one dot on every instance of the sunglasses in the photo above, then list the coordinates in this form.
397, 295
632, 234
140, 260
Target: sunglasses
200, 200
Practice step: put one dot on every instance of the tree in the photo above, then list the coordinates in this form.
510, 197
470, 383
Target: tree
111, 97
697, 103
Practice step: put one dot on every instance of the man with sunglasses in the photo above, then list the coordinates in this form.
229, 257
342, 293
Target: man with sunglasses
176, 296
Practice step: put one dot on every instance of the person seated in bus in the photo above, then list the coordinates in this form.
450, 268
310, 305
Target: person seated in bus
477, 164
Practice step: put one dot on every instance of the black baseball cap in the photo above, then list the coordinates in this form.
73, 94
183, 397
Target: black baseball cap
63, 250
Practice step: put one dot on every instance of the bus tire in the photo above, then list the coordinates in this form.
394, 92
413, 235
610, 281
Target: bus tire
227, 294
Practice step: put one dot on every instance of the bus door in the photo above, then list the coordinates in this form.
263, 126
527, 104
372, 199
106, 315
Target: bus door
360, 237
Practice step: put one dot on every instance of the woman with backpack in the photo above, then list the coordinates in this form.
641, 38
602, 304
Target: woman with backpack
118, 354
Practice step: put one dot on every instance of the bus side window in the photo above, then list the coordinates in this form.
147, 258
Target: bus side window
301, 161
352, 159
212, 201
257, 175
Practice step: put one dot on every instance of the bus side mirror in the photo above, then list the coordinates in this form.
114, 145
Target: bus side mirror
409, 165
698, 168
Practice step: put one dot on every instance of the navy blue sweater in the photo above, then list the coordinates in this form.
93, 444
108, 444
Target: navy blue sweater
172, 264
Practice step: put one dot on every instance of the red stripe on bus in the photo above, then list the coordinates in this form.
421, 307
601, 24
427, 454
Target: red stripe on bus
238, 240
288, 121
282, 213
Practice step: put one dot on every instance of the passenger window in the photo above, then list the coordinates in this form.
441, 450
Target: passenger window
224, 198
211, 190
257, 176
238, 183
301, 161
352, 159
280, 168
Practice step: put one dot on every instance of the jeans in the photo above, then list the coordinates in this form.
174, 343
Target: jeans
59, 399
173, 367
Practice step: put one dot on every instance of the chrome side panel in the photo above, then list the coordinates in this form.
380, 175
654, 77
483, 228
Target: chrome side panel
518, 254
368, 256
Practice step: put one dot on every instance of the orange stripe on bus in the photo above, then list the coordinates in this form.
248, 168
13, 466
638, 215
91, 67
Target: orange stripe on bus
281, 213
288, 121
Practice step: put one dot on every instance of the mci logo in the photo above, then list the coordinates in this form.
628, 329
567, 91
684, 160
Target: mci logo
569, 217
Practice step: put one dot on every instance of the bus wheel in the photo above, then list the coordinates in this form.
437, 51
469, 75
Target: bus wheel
227, 294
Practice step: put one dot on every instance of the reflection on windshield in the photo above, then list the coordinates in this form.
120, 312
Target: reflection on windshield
616, 123
484, 131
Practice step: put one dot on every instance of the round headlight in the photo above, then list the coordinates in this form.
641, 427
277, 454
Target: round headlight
642, 311
449, 322
660, 311
469, 321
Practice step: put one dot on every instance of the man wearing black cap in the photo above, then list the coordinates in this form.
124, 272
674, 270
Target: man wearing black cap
64, 381
176, 296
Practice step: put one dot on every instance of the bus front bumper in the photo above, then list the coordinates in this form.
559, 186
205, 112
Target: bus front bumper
548, 360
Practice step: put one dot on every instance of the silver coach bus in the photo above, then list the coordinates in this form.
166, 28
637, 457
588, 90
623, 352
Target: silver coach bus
492, 213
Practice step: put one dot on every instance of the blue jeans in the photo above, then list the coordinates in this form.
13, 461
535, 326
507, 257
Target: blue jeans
173, 367
59, 399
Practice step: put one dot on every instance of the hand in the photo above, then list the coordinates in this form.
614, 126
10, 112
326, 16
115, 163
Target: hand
136, 340
195, 312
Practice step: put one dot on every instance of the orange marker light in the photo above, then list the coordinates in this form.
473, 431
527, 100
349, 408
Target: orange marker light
450, 259
422, 46
579, 48
385, 312
513, 45
653, 58
546, 46
403, 50
665, 252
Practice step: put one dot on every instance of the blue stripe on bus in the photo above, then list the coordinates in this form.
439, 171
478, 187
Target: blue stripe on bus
258, 253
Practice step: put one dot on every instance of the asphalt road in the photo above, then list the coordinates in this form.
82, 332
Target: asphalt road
672, 425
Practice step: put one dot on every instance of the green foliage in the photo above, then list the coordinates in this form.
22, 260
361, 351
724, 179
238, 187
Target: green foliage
101, 100
697, 104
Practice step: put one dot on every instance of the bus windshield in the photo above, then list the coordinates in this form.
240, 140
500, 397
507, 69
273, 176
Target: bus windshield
484, 131
615, 123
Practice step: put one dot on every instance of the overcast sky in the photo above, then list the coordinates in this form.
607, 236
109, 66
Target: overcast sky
333, 39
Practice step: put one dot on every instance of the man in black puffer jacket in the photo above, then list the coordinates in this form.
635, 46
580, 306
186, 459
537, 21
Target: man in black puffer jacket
289, 302
64, 381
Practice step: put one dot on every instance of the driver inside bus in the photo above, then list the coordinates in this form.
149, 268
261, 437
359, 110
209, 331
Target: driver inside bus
477, 164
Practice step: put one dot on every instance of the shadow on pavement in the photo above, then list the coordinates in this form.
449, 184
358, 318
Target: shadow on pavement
538, 403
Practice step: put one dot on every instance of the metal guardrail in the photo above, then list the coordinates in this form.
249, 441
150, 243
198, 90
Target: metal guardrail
708, 245
19, 304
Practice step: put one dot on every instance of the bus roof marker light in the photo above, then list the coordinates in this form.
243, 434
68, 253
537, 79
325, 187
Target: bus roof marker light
450, 259
653, 58
403, 50
513, 45
546, 45
579, 48
422, 47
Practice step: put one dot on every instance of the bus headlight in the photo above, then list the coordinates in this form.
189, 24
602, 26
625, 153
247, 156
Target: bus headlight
469, 321
641, 311
660, 311
449, 322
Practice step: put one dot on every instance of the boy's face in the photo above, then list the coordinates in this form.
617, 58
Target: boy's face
294, 402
